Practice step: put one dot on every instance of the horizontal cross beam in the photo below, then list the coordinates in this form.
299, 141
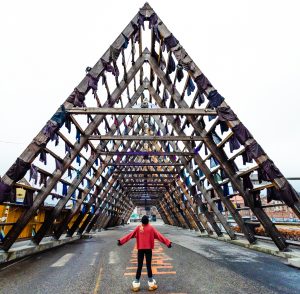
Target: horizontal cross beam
146, 153
141, 111
143, 172
132, 163
145, 138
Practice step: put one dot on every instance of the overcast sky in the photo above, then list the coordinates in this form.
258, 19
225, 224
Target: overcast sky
249, 50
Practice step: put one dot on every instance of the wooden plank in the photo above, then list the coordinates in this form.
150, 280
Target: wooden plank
146, 138
141, 111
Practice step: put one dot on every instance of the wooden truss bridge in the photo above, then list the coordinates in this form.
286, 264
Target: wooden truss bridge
145, 127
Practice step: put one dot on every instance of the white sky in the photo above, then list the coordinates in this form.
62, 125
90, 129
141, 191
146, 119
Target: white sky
249, 50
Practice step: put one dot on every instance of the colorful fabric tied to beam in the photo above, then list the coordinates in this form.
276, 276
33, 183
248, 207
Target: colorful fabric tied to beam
202, 83
109, 68
170, 42
60, 116
33, 174
171, 65
67, 149
223, 127
58, 164
226, 114
200, 98
43, 157
215, 137
226, 190
220, 206
233, 143
78, 160
286, 194
78, 135
50, 129
242, 133
215, 98
76, 98
64, 189
5, 191
213, 162
18, 170
126, 42
180, 73
190, 86
187, 181
70, 173
92, 82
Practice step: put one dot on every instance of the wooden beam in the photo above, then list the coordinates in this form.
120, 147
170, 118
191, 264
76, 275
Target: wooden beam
132, 163
141, 111
146, 138
143, 172
146, 153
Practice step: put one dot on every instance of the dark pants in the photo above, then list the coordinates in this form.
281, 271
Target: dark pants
140, 256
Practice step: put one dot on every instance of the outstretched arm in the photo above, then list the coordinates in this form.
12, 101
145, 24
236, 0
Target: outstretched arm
160, 237
127, 237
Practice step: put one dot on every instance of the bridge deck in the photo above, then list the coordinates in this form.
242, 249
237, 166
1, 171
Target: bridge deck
193, 265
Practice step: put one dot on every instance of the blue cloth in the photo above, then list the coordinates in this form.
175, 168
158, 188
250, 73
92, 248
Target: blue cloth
64, 189
213, 162
190, 86
78, 159
77, 135
60, 116
226, 190
215, 98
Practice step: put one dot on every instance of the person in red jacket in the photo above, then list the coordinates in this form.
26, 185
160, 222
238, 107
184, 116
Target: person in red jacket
145, 235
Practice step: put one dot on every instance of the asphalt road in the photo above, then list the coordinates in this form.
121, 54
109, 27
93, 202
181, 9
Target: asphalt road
98, 265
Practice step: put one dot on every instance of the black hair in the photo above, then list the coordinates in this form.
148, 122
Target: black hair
145, 220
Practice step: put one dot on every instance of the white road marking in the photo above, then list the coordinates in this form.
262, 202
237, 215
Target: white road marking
94, 258
113, 257
63, 260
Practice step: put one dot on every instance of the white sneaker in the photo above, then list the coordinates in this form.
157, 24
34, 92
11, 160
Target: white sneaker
136, 286
152, 285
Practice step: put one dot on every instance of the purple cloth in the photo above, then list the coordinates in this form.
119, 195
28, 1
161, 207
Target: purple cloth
203, 83
270, 171
254, 150
5, 191
223, 127
109, 68
141, 19
226, 114
247, 183
50, 129
33, 174
18, 170
242, 133
246, 158
233, 143
171, 65
215, 98
76, 98
43, 157
43, 179
170, 42
58, 164
180, 73
92, 82
153, 20
287, 194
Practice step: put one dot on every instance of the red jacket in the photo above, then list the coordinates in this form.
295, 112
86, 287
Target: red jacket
145, 235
